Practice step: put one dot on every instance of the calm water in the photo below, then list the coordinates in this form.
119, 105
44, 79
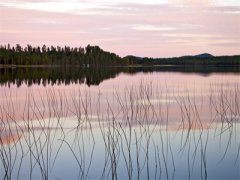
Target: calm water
119, 124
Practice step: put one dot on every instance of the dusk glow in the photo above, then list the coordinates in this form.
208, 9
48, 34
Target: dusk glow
162, 28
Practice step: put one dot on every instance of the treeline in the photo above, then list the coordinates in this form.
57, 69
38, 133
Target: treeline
186, 61
65, 56
94, 56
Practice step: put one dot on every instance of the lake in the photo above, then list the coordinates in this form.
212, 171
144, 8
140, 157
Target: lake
120, 123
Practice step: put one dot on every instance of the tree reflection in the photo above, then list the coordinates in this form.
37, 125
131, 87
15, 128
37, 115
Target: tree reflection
89, 76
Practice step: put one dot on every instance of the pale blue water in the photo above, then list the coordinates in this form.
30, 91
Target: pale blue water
146, 126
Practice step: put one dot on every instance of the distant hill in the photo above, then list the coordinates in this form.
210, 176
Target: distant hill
204, 55
204, 59
135, 57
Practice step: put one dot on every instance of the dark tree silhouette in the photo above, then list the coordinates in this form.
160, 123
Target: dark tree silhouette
94, 56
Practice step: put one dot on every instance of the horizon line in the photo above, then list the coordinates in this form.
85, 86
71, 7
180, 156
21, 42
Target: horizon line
138, 56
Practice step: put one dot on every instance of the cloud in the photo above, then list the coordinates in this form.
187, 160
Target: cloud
147, 29
52, 6
227, 44
205, 3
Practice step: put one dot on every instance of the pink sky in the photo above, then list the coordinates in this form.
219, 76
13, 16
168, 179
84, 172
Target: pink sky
154, 28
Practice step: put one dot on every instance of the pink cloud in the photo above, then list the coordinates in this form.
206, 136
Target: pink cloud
139, 29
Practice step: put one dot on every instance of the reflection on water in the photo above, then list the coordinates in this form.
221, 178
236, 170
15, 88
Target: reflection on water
92, 76
147, 126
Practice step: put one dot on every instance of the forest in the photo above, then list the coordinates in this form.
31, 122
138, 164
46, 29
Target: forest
94, 56
194, 61
61, 56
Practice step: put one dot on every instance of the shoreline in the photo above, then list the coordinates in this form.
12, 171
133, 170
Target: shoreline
13, 66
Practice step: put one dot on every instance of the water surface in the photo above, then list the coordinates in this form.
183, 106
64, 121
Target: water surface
119, 124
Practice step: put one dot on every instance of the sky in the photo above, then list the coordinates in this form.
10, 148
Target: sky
153, 28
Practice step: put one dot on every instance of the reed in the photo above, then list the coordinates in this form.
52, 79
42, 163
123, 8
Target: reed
138, 135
